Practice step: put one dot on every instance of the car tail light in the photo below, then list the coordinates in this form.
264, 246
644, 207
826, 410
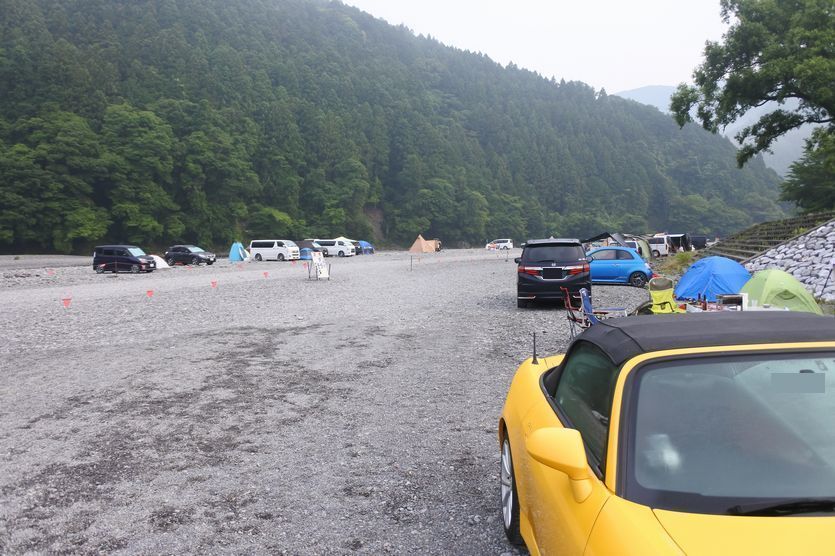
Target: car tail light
579, 269
532, 270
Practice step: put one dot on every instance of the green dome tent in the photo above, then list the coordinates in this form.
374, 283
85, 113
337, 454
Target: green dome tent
780, 289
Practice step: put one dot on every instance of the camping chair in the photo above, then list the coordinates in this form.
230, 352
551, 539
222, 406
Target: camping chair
577, 321
661, 292
595, 315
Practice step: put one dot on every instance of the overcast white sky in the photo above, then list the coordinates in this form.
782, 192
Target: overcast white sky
616, 44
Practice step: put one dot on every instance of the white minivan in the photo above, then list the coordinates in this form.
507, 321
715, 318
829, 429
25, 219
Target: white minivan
336, 247
500, 244
273, 250
660, 246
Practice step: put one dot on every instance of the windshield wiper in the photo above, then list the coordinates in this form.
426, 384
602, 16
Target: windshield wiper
784, 507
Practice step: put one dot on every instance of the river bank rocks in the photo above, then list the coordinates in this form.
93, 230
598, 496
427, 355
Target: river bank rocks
809, 258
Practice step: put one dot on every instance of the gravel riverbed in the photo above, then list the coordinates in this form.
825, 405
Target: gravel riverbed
270, 414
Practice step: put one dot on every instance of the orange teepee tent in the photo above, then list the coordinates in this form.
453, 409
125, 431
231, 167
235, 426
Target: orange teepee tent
421, 246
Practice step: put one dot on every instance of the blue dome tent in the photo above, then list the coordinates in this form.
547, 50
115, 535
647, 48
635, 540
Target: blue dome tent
711, 276
367, 248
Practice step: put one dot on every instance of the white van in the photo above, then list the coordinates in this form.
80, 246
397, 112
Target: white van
660, 246
500, 244
273, 250
336, 247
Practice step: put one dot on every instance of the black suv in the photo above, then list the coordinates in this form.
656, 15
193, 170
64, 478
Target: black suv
122, 258
188, 254
548, 265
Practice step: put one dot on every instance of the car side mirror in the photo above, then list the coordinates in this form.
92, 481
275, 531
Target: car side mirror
562, 449
517, 260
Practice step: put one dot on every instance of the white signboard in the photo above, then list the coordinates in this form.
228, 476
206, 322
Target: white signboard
319, 264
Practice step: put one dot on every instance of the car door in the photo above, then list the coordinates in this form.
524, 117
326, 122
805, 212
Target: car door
583, 400
627, 264
108, 259
604, 266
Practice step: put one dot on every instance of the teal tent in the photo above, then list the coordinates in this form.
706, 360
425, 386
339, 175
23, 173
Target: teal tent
237, 253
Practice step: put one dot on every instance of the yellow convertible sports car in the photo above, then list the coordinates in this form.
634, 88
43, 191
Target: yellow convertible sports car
699, 434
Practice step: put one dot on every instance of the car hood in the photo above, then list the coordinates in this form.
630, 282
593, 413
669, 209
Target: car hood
706, 534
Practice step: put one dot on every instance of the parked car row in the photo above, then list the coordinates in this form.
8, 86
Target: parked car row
550, 267
130, 258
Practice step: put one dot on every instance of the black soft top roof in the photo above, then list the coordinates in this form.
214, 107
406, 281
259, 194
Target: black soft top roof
624, 338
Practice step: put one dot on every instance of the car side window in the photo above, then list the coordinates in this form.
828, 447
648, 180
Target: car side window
584, 394
605, 255
121, 253
625, 255
279, 244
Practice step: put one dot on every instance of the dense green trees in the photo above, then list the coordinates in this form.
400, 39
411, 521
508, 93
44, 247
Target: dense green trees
774, 50
156, 122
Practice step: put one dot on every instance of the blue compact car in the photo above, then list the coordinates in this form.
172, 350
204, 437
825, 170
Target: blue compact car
618, 265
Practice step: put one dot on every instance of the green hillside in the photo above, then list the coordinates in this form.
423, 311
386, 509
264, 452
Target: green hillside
210, 120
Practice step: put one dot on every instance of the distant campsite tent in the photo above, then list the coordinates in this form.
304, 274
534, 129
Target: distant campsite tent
422, 246
237, 253
711, 276
367, 248
161, 264
780, 290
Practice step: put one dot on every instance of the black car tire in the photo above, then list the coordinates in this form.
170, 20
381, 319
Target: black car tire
638, 279
655, 253
210, 263
281, 256
522, 303
341, 253
506, 473
195, 261
134, 269
100, 269
170, 261
258, 257
325, 253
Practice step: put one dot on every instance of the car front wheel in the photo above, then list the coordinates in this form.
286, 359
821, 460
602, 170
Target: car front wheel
195, 261
656, 254
258, 257
510, 498
134, 269
169, 261
281, 256
638, 279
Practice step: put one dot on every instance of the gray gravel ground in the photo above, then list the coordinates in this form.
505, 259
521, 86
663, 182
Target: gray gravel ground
269, 415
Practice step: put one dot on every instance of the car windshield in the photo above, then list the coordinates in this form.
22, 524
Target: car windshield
552, 253
717, 432
136, 251
194, 249
289, 243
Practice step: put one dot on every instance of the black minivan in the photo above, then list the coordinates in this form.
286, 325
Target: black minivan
122, 258
548, 265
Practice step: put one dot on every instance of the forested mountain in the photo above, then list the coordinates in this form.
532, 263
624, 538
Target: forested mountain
157, 121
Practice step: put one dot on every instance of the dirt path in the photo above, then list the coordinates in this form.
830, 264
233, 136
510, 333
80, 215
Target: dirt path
265, 415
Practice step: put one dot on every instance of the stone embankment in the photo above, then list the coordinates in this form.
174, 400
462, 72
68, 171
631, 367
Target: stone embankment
809, 258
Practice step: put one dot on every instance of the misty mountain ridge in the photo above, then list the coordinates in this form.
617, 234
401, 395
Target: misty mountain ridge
785, 150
